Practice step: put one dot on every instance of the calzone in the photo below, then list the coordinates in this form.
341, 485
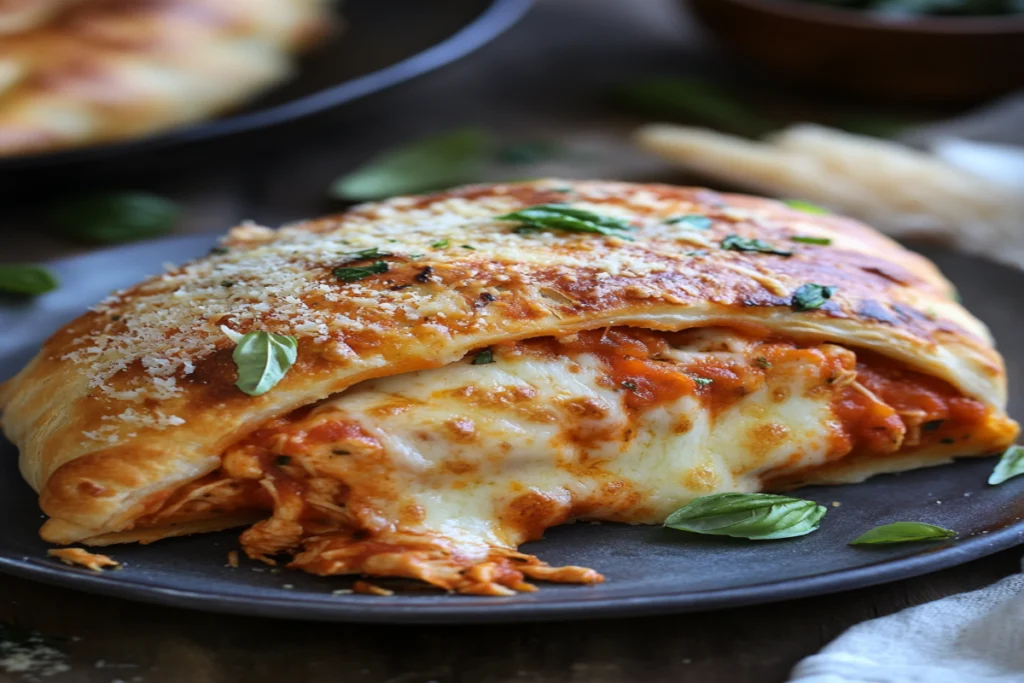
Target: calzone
449, 375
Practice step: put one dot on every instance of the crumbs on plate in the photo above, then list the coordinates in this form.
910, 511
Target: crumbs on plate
84, 558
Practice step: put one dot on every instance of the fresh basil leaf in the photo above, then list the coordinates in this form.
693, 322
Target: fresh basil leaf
432, 163
26, 279
440, 244
694, 220
262, 359
811, 296
115, 217
1009, 466
806, 207
562, 217
354, 273
903, 532
823, 241
757, 516
483, 358
692, 99
530, 152
701, 381
737, 243
372, 252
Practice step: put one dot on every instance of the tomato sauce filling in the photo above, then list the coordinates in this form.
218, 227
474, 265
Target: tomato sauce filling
880, 407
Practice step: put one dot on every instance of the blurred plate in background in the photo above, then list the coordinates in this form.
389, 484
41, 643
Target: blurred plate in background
384, 42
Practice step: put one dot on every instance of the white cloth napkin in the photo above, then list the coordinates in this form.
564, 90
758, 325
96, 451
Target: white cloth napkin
975, 637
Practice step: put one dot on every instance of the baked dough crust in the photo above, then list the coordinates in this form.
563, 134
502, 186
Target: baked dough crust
111, 69
137, 396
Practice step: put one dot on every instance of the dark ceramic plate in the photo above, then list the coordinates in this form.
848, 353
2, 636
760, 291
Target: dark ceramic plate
648, 569
384, 42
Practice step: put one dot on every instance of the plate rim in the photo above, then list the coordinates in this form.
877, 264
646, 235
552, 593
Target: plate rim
495, 19
495, 610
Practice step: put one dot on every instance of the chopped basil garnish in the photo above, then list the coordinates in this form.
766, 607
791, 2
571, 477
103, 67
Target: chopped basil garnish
484, 357
806, 207
903, 532
701, 381
694, 220
468, 246
737, 243
823, 241
757, 516
26, 279
563, 217
1009, 466
431, 163
354, 273
811, 296
932, 425
629, 384
218, 251
372, 252
115, 217
440, 244
262, 359
227, 283
763, 362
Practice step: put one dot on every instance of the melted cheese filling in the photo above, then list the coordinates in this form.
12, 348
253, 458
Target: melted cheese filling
439, 475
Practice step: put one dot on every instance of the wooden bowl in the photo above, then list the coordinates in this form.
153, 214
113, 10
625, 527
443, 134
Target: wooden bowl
931, 59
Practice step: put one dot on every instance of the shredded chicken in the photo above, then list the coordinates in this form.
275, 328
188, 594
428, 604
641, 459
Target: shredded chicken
83, 558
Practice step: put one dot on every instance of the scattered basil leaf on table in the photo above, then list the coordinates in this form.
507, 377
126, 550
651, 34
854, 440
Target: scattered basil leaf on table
822, 241
113, 218
877, 126
903, 532
432, 163
529, 152
811, 296
355, 273
737, 243
757, 516
262, 359
1009, 466
694, 99
26, 279
693, 220
562, 217
806, 207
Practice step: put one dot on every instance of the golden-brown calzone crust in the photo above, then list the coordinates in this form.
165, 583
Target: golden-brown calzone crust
111, 69
138, 395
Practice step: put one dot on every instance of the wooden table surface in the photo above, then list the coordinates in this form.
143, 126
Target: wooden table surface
545, 78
